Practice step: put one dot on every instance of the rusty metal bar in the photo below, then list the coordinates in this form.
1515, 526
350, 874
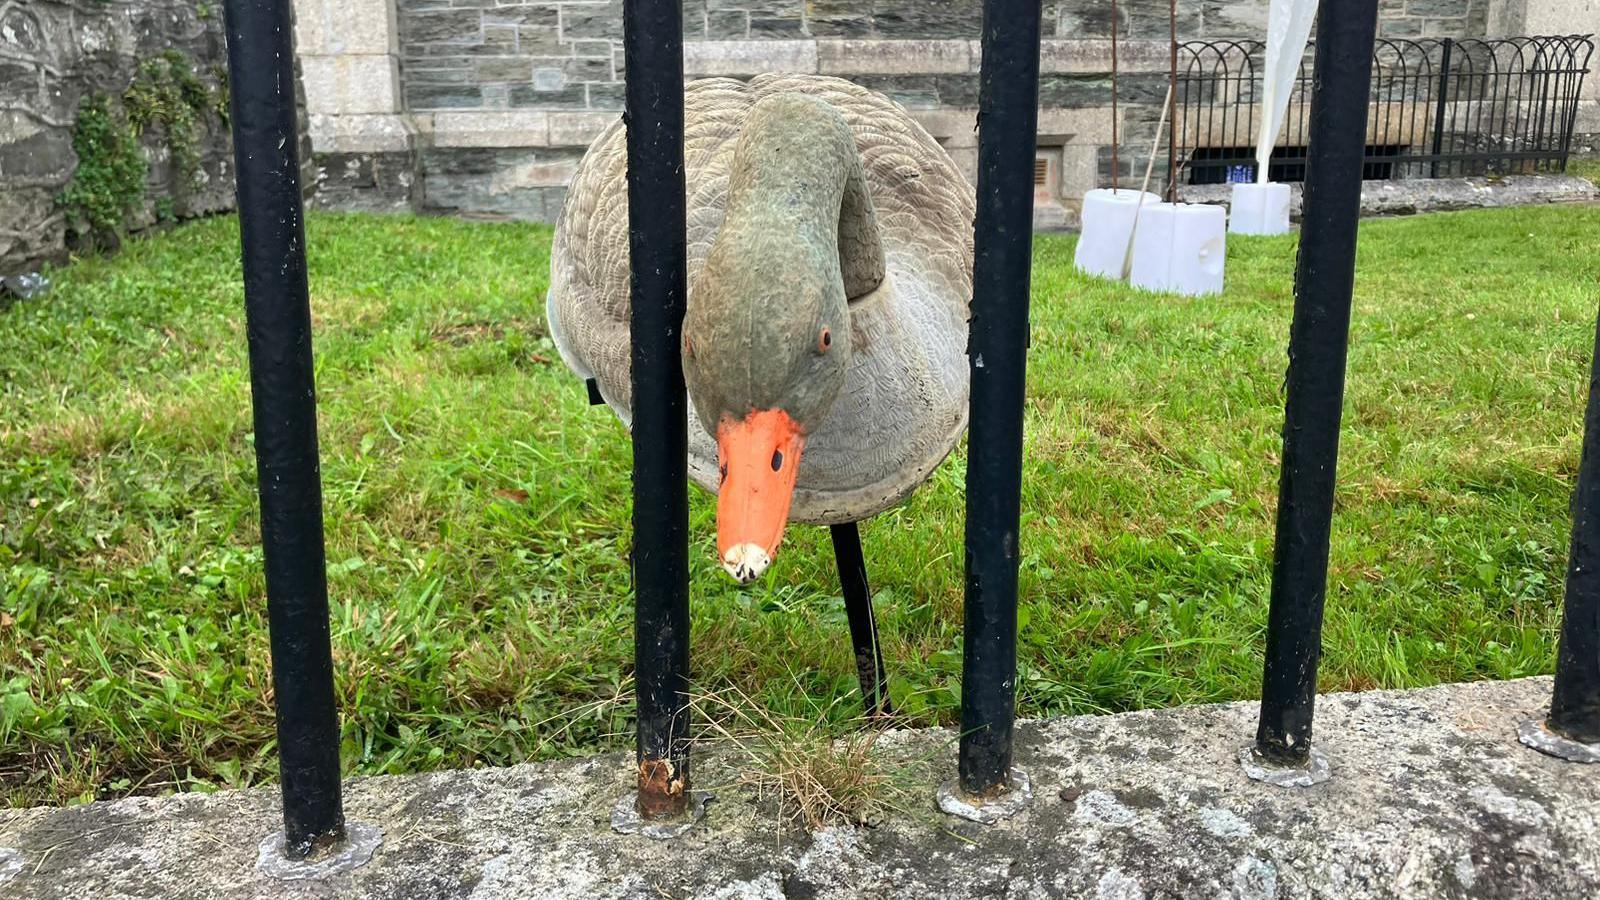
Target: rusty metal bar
653, 111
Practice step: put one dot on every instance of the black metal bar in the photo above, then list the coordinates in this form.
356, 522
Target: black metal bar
1171, 193
863, 625
653, 111
1575, 704
282, 389
1318, 340
1008, 93
1441, 100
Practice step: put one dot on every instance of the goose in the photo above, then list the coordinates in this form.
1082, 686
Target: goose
829, 253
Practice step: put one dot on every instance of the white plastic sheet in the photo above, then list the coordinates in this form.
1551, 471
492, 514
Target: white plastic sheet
1288, 27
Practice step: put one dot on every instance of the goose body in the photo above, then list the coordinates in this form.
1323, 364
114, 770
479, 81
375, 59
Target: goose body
783, 250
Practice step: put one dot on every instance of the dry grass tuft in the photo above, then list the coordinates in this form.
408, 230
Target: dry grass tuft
820, 774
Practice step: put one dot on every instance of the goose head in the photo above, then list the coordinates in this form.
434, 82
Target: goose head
766, 333
766, 349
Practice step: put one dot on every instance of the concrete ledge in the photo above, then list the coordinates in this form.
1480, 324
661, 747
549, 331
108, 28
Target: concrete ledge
1420, 195
387, 133
885, 56
702, 58
1431, 796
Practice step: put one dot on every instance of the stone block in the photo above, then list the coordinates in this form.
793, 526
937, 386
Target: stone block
1077, 56
540, 171
779, 27
606, 96
519, 128
442, 96
516, 69
350, 84
549, 78
951, 127
365, 182
728, 24
839, 26
333, 27
914, 92
33, 151
362, 134
1233, 19
527, 96
1437, 8
893, 57
545, 40
1403, 27
1079, 170
453, 26
958, 90
595, 49
21, 84
577, 129
591, 20
541, 14
910, 19
1139, 19
748, 57
438, 71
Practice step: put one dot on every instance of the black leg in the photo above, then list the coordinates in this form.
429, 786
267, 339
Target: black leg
863, 628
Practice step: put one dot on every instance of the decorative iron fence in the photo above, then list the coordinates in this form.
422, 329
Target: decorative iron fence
987, 787
1436, 108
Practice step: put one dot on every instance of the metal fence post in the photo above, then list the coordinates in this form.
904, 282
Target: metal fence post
1442, 99
997, 350
278, 323
653, 48
1318, 340
1575, 704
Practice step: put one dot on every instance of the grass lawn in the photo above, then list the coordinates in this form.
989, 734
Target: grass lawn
477, 507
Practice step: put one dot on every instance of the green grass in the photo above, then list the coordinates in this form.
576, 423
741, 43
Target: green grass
1585, 167
477, 508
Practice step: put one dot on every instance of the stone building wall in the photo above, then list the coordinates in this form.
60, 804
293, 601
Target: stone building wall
55, 54
485, 106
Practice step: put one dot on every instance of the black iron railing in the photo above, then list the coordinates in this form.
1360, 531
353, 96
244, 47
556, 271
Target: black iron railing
279, 324
1435, 108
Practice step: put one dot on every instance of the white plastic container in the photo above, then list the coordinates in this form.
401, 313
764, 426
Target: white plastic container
1261, 208
1180, 247
1107, 225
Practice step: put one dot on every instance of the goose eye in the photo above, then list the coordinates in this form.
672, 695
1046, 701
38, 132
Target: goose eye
824, 341
777, 460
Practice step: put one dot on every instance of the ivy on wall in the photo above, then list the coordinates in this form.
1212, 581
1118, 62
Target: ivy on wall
166, 100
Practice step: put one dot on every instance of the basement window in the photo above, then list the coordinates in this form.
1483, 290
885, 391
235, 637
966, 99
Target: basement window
1212, 165
1047, 176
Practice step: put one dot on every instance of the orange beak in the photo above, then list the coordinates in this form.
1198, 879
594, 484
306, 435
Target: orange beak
759, 456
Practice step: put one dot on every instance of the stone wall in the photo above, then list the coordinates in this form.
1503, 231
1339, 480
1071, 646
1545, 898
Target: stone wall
485, 106
55, 54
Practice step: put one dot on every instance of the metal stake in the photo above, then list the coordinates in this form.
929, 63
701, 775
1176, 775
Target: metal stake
278, 326
1008, 95
1318, 340
863, 625
1575, 704
653, 49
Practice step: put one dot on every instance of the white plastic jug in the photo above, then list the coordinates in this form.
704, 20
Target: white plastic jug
1261, 208
1180, 247
1107, 225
